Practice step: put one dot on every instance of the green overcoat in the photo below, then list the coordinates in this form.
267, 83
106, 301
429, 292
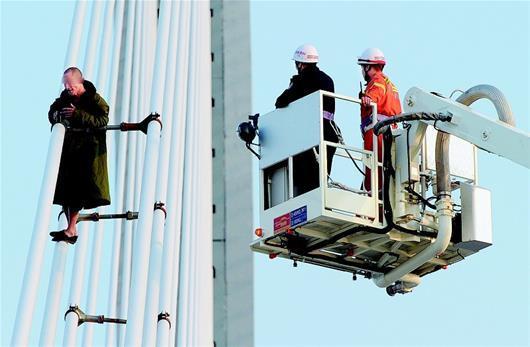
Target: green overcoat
83, 178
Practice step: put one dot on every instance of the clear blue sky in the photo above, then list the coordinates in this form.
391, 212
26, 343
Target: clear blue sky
483, 301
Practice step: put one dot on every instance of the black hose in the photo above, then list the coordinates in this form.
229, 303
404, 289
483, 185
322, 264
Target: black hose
410, 188
424, 201
253, 151
388, 171
355, 163
341, 141
408, 117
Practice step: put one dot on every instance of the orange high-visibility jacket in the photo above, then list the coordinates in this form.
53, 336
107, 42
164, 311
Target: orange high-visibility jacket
385, 94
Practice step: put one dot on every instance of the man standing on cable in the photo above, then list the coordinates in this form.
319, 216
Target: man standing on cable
308, 80
380, 90
82, 182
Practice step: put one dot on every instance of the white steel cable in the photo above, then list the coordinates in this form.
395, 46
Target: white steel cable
98, 228
93, 39
184, 295
76, 285
140, 99
80, 259
164, 74
130, 191
192, 266
111, 329
55, 289
74, 42
171, 246
204, 323
142, 239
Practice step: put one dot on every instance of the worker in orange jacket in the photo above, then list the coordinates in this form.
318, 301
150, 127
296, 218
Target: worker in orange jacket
379, 90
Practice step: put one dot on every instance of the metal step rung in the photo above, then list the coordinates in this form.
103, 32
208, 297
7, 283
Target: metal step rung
95, 217
141, 126
85, 318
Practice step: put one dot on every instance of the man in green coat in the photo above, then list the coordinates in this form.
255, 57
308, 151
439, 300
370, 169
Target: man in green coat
82, 182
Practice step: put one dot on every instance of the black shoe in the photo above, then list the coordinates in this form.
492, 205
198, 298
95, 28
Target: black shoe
57, 233
72, 240
61, 236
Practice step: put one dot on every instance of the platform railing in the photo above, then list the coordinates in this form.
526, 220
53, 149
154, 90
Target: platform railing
374, 164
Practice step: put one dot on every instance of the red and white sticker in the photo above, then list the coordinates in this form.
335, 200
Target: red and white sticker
282, 223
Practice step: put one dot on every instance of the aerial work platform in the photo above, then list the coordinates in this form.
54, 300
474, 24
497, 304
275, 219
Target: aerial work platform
392, 237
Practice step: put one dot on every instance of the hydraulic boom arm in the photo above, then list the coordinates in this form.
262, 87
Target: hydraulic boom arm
493, 136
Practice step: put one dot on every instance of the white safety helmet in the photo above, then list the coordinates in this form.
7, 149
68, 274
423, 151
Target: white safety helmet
372, 56
306, 54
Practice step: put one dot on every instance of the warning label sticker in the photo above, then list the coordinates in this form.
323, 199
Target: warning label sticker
281, 223
298, 216
291, 219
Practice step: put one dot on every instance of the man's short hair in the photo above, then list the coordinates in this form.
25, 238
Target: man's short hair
73, 69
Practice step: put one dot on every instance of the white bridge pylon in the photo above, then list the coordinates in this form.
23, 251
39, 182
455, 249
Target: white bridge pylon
143, 59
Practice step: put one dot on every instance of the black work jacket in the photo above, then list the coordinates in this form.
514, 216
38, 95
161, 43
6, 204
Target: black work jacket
308, 81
